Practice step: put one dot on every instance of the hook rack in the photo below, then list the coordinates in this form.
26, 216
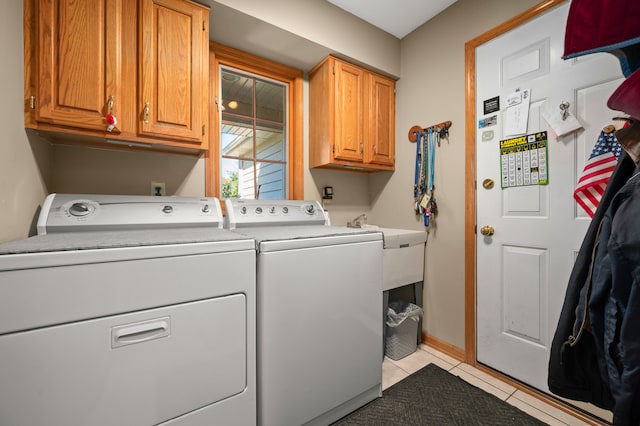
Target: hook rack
440, 127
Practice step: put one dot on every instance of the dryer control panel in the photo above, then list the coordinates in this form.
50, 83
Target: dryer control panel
246, 212
75, 212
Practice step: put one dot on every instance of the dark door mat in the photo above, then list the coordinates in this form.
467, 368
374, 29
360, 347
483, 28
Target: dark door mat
432, 396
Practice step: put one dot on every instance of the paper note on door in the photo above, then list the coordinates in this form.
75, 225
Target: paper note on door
517, 114
561, 124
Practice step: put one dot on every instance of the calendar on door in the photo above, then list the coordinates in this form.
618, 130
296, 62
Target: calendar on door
523, 160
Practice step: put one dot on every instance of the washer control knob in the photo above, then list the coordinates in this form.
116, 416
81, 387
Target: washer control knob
79, 209
206, 208
285, 210
243, 210
167, 209
258, 210
272, 209
309, 209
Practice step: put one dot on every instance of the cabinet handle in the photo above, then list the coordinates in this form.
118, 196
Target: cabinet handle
375, 149
146, 112
110, 104
361, 148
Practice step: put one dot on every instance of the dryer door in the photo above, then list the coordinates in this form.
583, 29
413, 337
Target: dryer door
136, 369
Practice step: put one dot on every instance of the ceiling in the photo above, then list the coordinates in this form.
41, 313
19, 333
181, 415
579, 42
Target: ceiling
397, 17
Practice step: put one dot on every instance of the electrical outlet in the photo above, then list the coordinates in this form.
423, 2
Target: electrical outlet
158, 188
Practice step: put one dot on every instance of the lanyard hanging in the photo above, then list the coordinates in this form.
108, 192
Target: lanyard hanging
420, 177
429, 202
416, 181
432, 156
426, 201
424, 177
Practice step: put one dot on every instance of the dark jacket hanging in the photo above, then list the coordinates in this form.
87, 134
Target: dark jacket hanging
614, 305
573, 368
601, 308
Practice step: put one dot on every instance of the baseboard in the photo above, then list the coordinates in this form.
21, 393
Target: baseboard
444, 347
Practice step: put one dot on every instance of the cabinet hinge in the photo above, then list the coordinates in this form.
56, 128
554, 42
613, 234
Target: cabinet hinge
32, 102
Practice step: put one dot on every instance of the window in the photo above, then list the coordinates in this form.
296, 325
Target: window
256, 141
252, 136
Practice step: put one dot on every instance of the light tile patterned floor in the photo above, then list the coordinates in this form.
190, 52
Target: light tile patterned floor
394, 371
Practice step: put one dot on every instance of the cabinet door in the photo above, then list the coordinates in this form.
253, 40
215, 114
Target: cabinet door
77, 62
174, 65
380, 125
349, 112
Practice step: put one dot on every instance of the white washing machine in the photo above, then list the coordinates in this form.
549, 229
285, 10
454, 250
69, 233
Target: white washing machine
128, 310
319, 316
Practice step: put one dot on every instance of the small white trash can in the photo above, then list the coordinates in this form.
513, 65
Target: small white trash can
402, 328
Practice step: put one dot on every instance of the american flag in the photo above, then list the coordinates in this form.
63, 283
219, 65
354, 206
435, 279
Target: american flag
597, 171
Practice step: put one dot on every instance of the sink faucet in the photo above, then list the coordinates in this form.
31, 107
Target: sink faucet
358, 221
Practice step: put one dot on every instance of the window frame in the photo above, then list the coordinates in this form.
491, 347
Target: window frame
227, 56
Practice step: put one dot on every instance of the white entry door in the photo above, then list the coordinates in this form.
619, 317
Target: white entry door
523, 268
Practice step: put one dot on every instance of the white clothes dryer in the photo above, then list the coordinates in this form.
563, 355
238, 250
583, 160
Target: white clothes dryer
128, 310
319, 292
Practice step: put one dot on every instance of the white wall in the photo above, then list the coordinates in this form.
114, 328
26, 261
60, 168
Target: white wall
24, 163
79, 170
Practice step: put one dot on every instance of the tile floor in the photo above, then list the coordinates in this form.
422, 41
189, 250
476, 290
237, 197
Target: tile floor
394, 371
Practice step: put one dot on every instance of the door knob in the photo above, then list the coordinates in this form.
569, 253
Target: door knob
487, 230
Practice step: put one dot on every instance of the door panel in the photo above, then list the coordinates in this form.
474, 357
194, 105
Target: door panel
173, 69
381, 120
523, 268
74, 81
349, 112
530, 201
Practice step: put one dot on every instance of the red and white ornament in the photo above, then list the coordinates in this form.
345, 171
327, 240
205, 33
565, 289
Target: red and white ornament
112, 121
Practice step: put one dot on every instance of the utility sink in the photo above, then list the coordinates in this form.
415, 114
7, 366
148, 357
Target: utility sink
402, 265
402, 257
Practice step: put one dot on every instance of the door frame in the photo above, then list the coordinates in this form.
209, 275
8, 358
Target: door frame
470, 165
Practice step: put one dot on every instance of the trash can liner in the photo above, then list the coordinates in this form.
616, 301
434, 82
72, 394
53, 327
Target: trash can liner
398, 312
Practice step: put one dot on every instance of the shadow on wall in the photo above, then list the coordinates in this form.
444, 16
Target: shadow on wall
377, 183
79, 170
351, 193
42, 152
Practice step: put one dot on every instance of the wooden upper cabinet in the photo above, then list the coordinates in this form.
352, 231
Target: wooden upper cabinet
351, 117
174, 69
85, 59
74, 79
381, 119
